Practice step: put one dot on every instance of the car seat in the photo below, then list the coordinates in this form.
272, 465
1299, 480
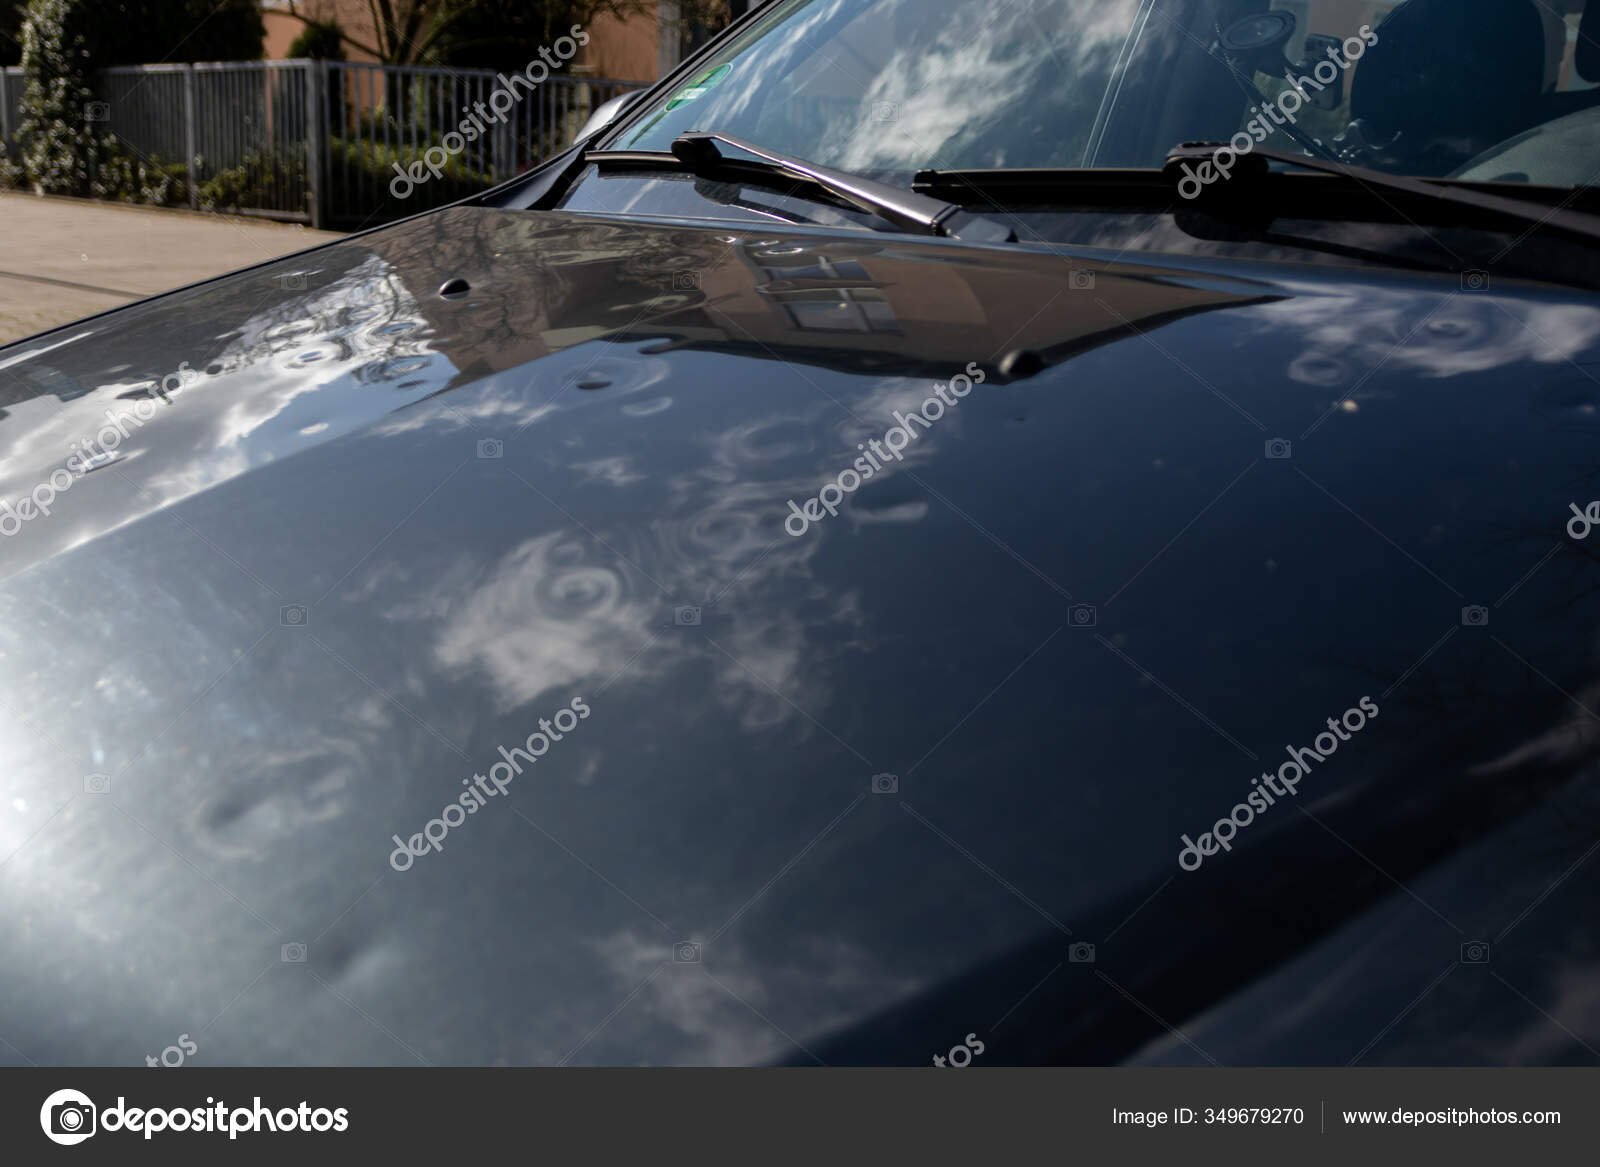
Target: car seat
1452, 78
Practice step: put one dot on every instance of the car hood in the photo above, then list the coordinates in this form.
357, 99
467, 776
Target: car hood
328, 538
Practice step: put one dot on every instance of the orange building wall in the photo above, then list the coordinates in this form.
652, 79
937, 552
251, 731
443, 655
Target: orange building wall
282, 29
626, 50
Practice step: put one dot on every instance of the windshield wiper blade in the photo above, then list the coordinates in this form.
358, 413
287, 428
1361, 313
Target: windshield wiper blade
702, 154
905, 209
1541, 216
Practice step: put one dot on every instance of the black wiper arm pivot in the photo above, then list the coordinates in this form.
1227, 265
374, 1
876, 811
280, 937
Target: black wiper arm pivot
702, 153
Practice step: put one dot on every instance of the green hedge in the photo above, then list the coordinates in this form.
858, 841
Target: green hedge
255, 184
262, 178
114, 172
123, 176
12, 176
372, 165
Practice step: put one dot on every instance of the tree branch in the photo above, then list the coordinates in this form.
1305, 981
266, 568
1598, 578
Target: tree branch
343, 36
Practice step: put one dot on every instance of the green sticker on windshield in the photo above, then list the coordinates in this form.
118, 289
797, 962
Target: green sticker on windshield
700, 86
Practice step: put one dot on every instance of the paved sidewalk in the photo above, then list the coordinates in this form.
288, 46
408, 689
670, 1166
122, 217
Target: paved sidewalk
65, 258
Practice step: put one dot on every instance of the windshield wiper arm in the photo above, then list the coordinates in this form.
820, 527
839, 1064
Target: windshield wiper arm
702, 153
1557, 219
904, 208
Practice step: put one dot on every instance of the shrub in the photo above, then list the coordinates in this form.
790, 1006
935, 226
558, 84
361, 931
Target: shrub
321, 40
371, 166
65, 41
252, 183
124, 176
12, 175
57, 145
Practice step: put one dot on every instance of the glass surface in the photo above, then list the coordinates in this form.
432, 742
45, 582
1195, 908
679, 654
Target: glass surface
1500, 89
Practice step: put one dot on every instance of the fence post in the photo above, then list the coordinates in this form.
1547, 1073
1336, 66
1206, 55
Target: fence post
505, 149
316, 125
495, 153
189, 150
5, 106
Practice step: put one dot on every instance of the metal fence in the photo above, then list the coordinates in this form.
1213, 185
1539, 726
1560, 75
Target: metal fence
321, 142
378, 116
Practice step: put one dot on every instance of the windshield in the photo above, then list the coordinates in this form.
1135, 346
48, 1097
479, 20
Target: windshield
1484, 89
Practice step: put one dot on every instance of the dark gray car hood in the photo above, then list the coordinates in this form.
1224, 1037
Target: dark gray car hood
383, 532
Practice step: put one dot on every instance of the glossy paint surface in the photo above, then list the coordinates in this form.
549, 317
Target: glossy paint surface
380, 533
